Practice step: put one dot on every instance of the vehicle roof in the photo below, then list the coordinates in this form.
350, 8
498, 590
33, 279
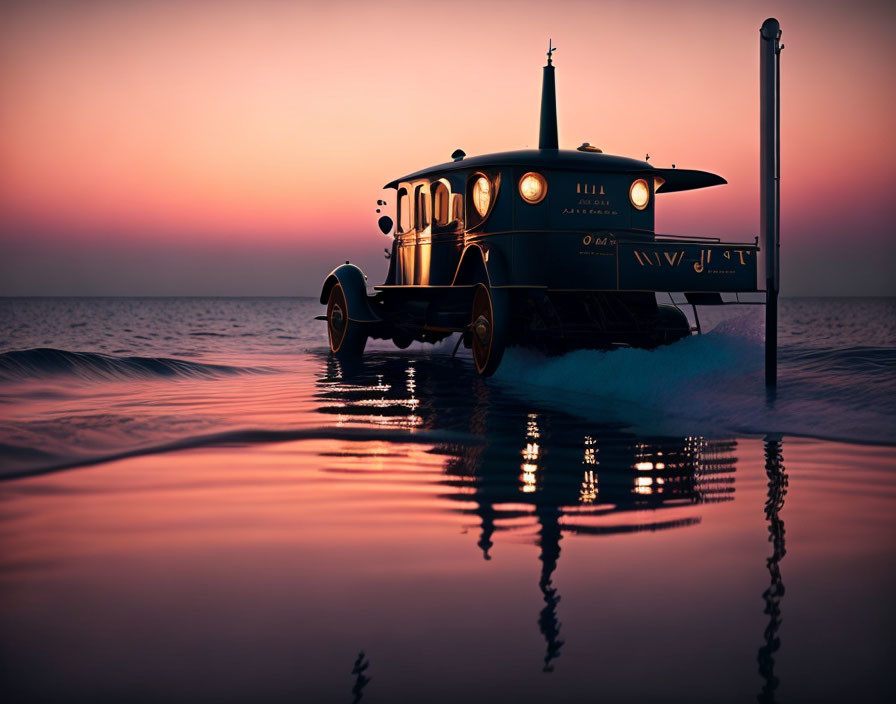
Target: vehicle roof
574, 160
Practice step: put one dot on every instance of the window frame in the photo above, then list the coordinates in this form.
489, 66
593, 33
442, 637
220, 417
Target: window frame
403, 196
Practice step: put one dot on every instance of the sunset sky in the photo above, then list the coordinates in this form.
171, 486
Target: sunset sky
239, 148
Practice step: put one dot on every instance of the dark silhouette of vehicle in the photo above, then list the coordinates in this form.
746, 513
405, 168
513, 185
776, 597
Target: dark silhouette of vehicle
547, 248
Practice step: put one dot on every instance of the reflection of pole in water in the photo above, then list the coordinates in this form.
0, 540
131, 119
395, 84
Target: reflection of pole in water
777, 490
486, 512
361, 680
549, 542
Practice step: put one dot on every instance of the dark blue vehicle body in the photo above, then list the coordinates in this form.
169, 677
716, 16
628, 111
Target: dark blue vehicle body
554, 249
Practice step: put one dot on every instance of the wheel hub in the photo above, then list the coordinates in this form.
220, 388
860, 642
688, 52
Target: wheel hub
482, 329
337, 319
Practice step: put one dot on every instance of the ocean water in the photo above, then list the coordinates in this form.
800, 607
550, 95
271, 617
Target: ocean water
198, 503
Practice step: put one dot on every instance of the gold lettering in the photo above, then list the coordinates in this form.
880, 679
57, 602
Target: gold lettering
586, 240
740, 253
590, 189
698, 266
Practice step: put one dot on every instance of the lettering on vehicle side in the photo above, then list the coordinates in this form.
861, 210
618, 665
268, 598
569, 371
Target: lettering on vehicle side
589, 211
674, 258
599, 240
602, 244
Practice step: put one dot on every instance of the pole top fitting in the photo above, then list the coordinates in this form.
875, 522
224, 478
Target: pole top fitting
551, 50
771, 29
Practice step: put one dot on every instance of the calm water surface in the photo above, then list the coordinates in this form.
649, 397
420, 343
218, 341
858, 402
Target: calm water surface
201, 505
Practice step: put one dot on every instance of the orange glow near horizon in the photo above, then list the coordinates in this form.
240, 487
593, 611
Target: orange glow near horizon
278, 123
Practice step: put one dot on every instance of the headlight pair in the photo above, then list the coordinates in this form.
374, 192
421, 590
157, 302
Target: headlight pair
533, 189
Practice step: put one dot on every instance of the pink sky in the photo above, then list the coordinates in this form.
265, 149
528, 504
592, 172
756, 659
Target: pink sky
239, 147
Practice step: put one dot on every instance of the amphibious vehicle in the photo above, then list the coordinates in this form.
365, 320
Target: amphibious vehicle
546, 248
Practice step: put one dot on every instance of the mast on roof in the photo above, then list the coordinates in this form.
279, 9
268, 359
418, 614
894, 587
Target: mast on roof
547, 137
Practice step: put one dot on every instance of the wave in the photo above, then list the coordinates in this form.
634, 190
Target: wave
52, 464
851, 360
43, 362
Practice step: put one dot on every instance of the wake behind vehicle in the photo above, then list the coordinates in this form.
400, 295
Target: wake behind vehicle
546, 248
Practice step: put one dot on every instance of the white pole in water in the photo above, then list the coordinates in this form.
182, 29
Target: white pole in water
770, 183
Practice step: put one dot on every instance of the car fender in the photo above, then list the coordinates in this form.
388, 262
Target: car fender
477, 261
354, 285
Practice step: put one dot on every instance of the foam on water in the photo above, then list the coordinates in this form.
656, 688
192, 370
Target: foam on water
715, 383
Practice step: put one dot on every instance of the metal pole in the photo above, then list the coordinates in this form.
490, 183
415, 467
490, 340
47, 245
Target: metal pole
769, 178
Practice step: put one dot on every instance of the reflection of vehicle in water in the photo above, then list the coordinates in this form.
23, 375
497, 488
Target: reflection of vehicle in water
600, 483
531, 471
543, 247
546, 473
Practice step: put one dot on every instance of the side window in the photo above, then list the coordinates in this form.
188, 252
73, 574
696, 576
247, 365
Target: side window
457, 209
441, 211
422, 209
404, 210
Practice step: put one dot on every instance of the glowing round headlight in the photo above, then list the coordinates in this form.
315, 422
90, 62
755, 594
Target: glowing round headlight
533, 187
640, 194
482, 195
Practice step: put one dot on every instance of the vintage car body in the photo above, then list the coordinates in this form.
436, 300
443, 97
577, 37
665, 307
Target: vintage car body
544, 247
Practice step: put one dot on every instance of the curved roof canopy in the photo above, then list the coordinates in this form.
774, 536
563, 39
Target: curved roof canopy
571, 160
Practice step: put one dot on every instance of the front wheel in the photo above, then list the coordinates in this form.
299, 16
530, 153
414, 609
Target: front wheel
347, 339
488, 326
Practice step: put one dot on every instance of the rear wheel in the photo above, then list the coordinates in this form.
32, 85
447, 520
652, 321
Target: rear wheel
488, 326
672, 324
347, 339
402, 340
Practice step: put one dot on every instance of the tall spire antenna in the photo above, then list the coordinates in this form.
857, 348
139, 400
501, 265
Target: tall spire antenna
547, 136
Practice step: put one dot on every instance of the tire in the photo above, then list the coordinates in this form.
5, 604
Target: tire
489, 323
347, 338
672, 325
402, 341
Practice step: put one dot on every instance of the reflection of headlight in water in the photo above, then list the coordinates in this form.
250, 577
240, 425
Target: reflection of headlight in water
588, 493
643, 485
527, 478
532, 427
